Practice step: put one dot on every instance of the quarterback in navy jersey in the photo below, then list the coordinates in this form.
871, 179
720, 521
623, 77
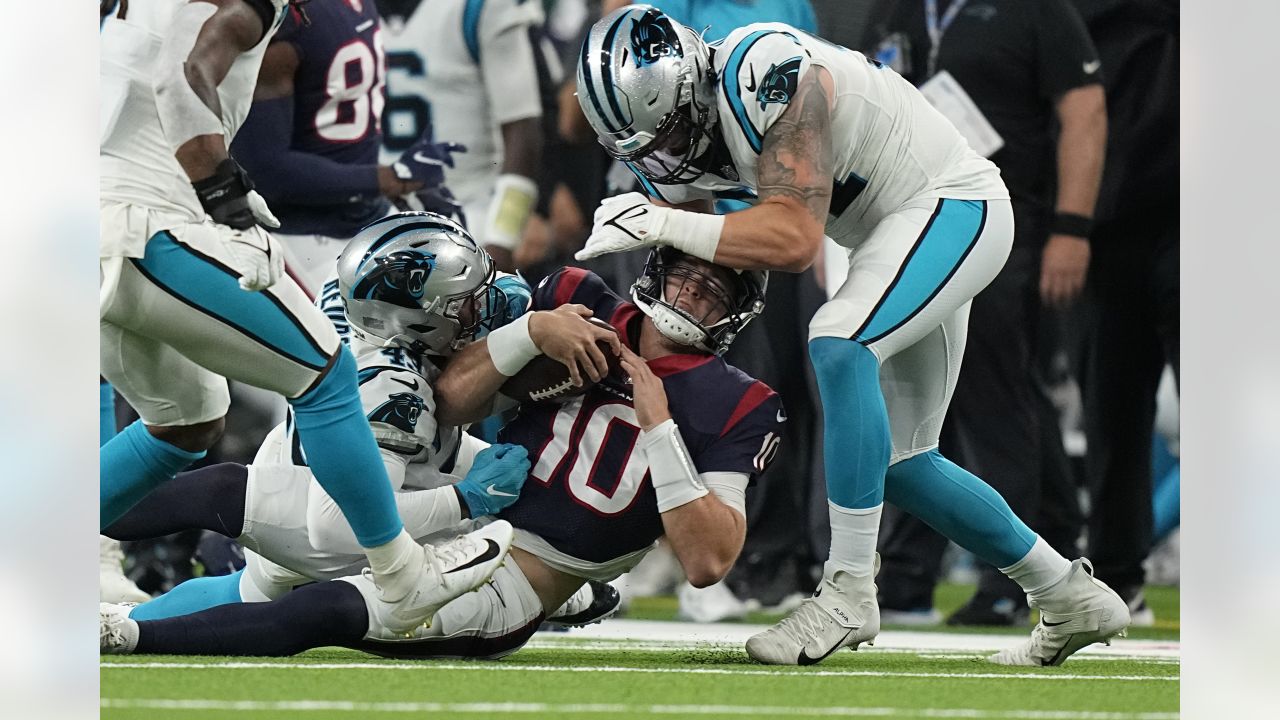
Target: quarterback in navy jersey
667, 451
591, 502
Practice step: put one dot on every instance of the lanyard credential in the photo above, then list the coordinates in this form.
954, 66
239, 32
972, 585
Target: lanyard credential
936, 29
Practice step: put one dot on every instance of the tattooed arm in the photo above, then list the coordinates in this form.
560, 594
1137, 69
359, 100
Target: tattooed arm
784, 230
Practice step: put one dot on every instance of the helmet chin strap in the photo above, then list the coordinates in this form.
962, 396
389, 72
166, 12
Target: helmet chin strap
673, 325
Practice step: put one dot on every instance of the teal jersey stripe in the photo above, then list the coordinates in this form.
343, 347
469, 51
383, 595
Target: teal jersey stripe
939, 251
731, 88
214, 290
471, 27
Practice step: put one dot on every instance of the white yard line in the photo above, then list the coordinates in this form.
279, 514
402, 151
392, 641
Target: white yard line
609, 709
688, 634
513, 667
570, 642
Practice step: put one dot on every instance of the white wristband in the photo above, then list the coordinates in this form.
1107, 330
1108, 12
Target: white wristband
511, 347
513, 200
675, 479
694, 233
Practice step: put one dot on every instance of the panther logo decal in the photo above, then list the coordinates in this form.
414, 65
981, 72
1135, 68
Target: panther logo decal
779, 83
653, 37
401, 410
397, 278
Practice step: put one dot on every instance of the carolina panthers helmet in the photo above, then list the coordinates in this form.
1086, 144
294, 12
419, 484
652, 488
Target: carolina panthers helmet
419, 281
644, 83
738, 303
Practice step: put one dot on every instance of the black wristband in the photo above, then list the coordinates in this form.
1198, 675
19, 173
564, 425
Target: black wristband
1072, 224
223, 195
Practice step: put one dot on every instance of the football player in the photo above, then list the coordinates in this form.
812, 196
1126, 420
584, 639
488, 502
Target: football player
410, 289
312, 138
472, 73
823, 140
668, 453
192, 291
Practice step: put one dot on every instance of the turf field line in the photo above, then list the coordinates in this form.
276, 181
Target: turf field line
612, 709
434, 666
661, 646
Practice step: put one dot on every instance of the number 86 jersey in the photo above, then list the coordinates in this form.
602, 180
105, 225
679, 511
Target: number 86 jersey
588, 507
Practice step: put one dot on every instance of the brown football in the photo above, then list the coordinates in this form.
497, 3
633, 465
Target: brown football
545, 379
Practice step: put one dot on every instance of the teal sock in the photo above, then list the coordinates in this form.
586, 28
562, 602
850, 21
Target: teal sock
343, 455
191, 596
959, 505
132, 464
106, 412
856, 442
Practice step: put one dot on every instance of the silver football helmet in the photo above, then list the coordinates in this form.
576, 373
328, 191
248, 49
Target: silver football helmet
738, 295
644, 83
417, 280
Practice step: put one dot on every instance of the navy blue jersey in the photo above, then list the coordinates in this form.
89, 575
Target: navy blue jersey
589, 493
338, 96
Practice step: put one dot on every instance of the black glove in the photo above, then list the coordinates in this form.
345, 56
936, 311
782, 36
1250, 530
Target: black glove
228, 197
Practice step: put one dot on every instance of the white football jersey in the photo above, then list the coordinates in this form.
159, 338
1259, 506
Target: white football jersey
890, 144
136, 162
465, 68
395, 391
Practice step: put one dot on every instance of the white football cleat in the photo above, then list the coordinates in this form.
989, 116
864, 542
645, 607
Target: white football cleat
117, 634
113, 585
1077, 611
447, 571
843, 612
709, 604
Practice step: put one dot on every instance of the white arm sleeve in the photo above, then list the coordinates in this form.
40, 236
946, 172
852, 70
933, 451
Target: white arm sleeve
327, 528
183, 115
730, 488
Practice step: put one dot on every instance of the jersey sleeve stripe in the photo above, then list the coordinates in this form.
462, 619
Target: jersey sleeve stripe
471, 27
568, 284
751, 399
732, 88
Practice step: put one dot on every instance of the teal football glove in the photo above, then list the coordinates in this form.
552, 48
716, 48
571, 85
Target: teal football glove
496, 476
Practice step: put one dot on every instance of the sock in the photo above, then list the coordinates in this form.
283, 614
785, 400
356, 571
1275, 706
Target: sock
327, 613
191, 596
855, 422
343, 455
1041, 568
130, 465
390, 557
211, 498
106, 412
853, 540
959, 505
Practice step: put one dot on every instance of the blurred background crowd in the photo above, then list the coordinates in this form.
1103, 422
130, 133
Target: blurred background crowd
1068, 397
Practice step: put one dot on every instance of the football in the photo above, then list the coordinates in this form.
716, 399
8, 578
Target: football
545, 379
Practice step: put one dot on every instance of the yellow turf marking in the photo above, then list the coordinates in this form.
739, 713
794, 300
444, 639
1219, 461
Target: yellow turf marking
437, 666
608, 709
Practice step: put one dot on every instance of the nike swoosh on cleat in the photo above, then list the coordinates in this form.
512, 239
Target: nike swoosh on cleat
804, 659
1046, 623
427, 159
498, 493
413, 386
491, 552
